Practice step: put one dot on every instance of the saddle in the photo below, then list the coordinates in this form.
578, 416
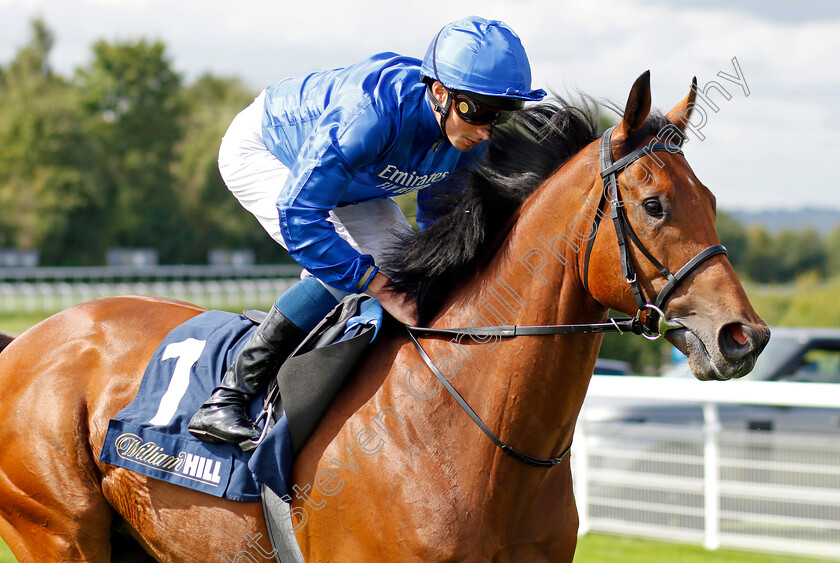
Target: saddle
306, 384
309, 379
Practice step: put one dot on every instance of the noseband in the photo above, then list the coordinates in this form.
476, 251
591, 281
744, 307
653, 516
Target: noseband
623, 231
654, 324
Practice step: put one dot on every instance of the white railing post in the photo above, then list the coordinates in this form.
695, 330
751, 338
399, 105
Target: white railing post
768, 491
711, 485
580, 457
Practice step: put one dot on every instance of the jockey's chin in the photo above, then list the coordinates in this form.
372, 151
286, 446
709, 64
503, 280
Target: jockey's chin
465, 136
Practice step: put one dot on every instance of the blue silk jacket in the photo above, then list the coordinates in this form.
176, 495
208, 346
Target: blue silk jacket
350, 135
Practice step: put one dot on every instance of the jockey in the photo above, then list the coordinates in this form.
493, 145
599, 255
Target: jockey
317, 161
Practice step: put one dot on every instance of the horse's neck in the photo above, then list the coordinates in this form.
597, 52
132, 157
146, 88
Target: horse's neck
530, 388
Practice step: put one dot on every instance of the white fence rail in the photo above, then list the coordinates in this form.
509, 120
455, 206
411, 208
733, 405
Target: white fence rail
741, 488
47, 290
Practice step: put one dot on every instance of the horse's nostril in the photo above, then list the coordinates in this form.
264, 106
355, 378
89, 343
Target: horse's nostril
737, 341
740, 341
736, 332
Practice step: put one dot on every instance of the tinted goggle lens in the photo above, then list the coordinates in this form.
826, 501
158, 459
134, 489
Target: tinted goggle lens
477, 114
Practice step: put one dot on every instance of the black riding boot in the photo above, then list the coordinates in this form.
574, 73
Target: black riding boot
224, 416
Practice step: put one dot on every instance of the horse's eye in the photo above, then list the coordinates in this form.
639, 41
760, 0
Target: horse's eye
653, 208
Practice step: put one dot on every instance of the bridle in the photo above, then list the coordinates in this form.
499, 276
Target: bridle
623, 231
652, 327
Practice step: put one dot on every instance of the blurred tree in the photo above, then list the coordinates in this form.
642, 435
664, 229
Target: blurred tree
800, 252
33, 59
814, 302
48, 185
130, 96
833, 251
733, 236
784, 256
215, 216
761, 260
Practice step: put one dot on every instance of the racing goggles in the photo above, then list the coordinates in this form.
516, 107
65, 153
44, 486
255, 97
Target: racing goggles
476, 113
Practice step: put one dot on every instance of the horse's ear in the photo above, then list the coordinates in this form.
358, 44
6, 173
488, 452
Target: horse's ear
681, 113
637, 108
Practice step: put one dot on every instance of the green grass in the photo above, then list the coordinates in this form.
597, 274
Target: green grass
15, 324
602, 548
6, 553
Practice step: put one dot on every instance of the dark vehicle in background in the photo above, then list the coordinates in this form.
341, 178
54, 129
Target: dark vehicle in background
793, 354
604, 366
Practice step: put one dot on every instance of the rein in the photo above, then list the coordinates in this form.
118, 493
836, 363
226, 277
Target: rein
621, 326
654, 325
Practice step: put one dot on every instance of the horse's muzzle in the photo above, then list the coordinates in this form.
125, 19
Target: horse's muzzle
727, 353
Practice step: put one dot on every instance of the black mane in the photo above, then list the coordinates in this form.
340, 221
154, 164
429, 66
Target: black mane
469, 223
5, 340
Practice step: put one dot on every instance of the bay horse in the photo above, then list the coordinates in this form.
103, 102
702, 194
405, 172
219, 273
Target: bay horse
396, 470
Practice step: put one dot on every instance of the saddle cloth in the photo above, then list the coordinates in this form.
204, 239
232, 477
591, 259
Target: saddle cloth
150, 436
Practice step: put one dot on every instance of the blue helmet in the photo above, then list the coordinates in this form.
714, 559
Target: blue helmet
483, 57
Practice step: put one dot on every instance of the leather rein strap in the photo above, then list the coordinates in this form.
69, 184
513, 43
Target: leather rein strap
509, 331
509, 450
653, 326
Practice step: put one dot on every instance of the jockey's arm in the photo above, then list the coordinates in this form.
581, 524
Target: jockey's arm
318, 181
316, 185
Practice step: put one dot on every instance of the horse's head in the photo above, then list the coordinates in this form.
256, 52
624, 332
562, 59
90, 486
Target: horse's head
670, 254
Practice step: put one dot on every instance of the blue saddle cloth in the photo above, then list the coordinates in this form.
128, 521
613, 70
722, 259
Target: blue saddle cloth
150, 435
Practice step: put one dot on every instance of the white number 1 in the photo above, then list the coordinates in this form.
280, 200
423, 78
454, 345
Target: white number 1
187, 352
